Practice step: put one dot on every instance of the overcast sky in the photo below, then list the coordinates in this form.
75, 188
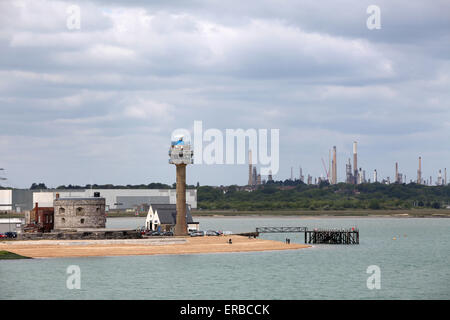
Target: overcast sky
98, 104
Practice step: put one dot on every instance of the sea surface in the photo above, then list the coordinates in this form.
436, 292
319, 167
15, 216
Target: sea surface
416, 265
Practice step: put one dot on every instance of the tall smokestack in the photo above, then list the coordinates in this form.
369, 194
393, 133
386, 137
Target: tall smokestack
292, 173
419, 172
445, 176
375, 176
250, 171
355, 162
397, 180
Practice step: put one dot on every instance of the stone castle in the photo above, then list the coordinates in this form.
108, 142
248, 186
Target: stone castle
75, 213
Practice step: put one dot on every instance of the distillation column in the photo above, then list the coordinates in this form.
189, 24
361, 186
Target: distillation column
355, 163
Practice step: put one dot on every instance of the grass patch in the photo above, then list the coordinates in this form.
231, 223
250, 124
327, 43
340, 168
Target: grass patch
6, 255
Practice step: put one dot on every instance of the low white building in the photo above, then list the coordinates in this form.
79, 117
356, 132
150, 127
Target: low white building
11, 224
162, 217
122, 199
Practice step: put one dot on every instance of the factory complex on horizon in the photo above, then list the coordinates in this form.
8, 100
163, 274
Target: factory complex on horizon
353, 173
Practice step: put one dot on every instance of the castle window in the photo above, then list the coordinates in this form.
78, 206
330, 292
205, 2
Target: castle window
62, 210
63, 220
80, 211
82, 221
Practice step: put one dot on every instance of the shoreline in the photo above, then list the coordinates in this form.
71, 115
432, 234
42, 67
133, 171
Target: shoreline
318, 216
161, 246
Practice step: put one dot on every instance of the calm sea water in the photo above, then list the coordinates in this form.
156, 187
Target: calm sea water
415, 266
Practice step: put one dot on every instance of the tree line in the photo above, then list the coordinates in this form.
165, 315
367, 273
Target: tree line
324, 197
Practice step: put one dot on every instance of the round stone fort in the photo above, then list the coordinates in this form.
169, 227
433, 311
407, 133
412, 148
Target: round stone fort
76, 213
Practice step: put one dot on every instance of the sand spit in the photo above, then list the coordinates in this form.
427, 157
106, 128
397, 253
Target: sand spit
188, 245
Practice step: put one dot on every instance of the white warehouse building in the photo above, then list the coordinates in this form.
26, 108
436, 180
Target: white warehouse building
122, 199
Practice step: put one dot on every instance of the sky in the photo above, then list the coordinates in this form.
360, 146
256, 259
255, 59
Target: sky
99, 104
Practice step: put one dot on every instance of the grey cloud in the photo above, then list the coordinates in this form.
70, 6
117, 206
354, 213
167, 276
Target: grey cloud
100, 103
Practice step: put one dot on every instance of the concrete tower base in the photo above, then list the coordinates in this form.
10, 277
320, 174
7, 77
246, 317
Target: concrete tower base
181, 225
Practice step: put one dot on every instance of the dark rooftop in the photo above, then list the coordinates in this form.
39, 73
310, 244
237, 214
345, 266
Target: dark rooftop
167, 213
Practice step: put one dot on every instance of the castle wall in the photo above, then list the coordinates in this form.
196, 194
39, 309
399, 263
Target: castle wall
76, 213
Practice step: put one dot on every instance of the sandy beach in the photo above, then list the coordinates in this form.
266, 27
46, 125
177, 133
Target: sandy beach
188, 245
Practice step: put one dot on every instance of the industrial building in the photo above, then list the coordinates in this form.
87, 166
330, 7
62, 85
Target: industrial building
353, 173
116, 199
398, 176
254, 178
11, 225
40, 219
16, 200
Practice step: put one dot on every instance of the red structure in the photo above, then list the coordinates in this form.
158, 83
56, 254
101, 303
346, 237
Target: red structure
41, 219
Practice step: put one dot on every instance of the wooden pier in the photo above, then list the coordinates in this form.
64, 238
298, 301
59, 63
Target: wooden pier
318, 236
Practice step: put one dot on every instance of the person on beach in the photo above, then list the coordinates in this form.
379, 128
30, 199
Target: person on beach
229, 241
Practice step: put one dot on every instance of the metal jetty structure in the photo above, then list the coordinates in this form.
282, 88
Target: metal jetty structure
317, 236
280, 229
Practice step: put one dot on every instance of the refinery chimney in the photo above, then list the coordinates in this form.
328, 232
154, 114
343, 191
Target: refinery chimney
355, 162
250, 171
397, 180
419, 172
445, 176
181, 155
334, 173
375, 176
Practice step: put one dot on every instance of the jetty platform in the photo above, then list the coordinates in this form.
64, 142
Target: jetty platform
316, 236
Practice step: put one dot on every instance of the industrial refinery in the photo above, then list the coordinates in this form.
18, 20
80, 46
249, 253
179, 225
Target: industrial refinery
354, 174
